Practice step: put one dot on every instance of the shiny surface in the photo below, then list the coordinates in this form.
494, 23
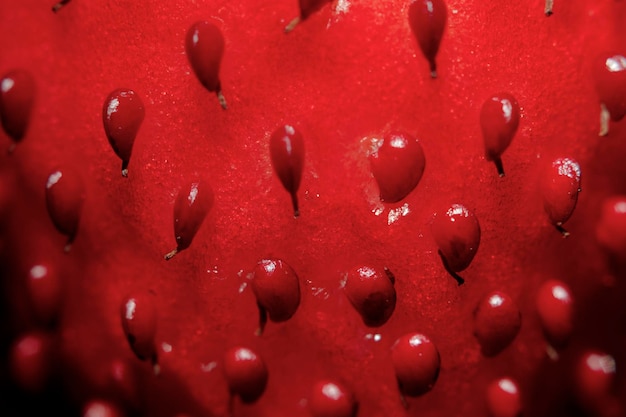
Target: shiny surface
30, 361
372, 293
611, 226
559, 187
332, 399
65, 197
497, 321
17, 98
555, 306
44, 288
204, 45
138, 316
277, 289
416, 363
428, 20
246, 373
504, 398
192, 204
397, 163
456, 232
609, 74
122, 115
499, 120
287, 155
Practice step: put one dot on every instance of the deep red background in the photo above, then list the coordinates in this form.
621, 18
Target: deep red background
339, 77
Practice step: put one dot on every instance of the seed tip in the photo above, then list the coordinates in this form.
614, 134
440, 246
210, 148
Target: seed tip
292, 25
125, 173
171, 254
222, 100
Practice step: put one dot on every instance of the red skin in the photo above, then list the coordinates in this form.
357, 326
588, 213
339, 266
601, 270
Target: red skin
560, 185
204, 45
427, 19
397, 165
611, 227
139, 320
44, 289
499, 120
609, 73
98, 408
332, 399
277, 290
503, 398
30, 360
372, 293
555, 308
122, 115
17, 96
246, 373
594, 376
416, 363
65, 196
287, 155
193, 203
457, 234
497, 321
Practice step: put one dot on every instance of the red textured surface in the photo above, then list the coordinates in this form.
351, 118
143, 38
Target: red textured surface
338, 78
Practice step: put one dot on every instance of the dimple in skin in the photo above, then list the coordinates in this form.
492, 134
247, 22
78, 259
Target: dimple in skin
427, 19
204, 45
277, 290
193, 203
65, 196
560, 185
17, 98
307, 8
499, 120
287, 156
58, 6
122, 115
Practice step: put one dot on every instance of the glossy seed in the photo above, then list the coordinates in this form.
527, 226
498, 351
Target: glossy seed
372, 293
560, 185
332, 399
427, 19
204, 45
497, 321
397, 163
499, 120
307, 8
416, 362
192, 204
246, 373
555, 307
17, 97
65, 197
122, 115
609, 73
287, 156
503, 398
139, 321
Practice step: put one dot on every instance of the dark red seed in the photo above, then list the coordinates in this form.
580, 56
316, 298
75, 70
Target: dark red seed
497, 321
503, 398
99, 408
555, 308
397, 164
65, 196
277, 290
122, 115
595, 375
307, 8
332, 399
372, 293
416, 363
17, 96
609, 72
31, 361
246, 373
427, 19
560, 185
204, 45
499, 120
457, 235
59, 5
287, 155
193, 203
611, 227
44, 289
139, 321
